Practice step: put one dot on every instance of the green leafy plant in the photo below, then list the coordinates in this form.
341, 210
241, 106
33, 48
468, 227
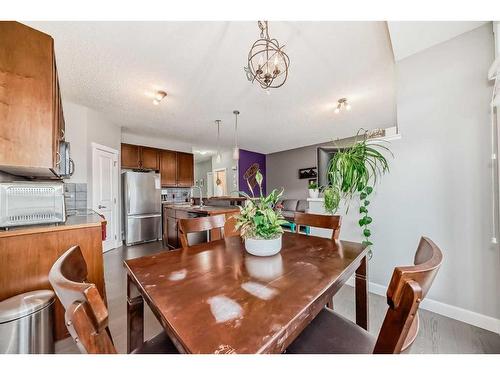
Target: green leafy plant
259, 217
313, 185
355, 170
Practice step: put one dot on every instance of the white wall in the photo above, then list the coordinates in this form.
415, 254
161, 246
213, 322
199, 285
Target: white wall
75, 117
158, 142
83, 127
440, 180
200, 172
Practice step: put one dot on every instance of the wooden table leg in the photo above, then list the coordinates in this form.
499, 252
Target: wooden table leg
135, 316
361, 289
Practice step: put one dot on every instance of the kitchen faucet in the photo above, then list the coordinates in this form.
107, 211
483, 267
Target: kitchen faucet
201, 194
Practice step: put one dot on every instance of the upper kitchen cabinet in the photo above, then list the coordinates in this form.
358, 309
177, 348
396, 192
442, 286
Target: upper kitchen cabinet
131, 156
168, 168
185, 169
139, 157
150, 158
176, 168
32, 121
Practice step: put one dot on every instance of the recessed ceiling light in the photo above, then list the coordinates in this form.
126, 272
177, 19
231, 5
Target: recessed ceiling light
159, 96
342, 104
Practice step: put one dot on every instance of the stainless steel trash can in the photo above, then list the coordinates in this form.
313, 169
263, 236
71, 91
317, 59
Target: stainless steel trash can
26, 323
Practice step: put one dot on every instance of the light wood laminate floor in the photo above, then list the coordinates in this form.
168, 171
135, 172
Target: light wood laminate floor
438, 334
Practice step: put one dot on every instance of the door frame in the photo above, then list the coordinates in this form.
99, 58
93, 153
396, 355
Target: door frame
214, 171
116, 178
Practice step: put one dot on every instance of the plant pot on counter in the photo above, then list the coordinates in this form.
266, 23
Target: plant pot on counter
313, 193
262, 247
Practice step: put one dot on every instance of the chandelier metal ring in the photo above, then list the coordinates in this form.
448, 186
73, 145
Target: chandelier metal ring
267, 62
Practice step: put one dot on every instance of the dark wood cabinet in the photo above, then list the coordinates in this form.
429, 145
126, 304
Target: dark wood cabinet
130, 156
176, 168
140, 157
185, 169
168, 168
150, 158
32, 120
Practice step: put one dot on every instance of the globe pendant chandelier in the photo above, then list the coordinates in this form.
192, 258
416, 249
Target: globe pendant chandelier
267, 63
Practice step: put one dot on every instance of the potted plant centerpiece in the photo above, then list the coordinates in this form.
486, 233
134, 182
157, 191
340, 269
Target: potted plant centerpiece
313, 189
259, 221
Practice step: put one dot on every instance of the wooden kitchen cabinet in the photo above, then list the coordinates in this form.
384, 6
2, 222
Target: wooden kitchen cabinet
150, 158
31, 108
140, 157
168, 168
185, 169
130, 156
176, 168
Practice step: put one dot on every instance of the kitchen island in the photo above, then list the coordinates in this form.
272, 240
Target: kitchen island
173, 212
27, 254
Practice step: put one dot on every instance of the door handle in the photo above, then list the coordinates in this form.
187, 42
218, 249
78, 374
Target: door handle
100, 207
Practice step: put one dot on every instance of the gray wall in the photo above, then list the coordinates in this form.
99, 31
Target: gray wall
200, 172
440, 179
231, 166
283, 170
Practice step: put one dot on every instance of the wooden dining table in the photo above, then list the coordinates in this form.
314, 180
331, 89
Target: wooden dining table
217, 298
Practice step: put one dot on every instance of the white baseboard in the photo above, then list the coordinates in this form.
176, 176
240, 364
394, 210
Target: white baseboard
470, 317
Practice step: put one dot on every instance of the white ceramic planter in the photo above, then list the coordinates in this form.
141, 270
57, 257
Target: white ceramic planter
263, 248
313, 193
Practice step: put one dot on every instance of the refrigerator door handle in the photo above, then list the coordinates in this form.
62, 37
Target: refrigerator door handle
144, 216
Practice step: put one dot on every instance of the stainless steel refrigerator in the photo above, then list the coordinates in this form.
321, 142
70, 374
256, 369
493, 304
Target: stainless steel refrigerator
142, 206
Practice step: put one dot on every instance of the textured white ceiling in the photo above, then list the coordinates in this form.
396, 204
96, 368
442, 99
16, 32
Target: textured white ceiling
110, 65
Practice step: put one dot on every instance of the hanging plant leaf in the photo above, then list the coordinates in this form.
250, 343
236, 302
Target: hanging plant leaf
366, 203
367, 219
363, 210
369, 190
362, 196
361, 222
367, 232
367, 243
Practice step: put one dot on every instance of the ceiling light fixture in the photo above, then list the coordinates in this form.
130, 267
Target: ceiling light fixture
267, 63
219, 156
342, 104
159, 96
236, 149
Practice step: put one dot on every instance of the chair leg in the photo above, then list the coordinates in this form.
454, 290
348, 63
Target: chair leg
329, 304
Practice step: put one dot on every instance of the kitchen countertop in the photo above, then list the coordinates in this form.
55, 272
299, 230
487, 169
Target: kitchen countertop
79, 220
207, 210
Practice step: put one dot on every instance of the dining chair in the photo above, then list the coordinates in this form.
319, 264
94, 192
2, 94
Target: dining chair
214, 224
331, 333
332, 222
86, 314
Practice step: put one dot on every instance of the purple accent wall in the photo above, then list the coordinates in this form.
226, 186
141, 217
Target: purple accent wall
247, 159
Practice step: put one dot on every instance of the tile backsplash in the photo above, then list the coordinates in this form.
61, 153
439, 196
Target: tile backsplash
175, 194
75, 196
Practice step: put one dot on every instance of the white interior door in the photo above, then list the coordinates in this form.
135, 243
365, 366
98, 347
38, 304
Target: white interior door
105, 191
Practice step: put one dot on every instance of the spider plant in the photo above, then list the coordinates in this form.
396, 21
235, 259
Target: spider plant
355, 170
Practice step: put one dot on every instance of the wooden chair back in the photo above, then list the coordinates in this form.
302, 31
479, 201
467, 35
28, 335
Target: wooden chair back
332, 222
214, 224
86, 314
408, 286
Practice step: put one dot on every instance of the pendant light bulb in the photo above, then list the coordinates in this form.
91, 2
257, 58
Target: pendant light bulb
218, 159
236, 153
